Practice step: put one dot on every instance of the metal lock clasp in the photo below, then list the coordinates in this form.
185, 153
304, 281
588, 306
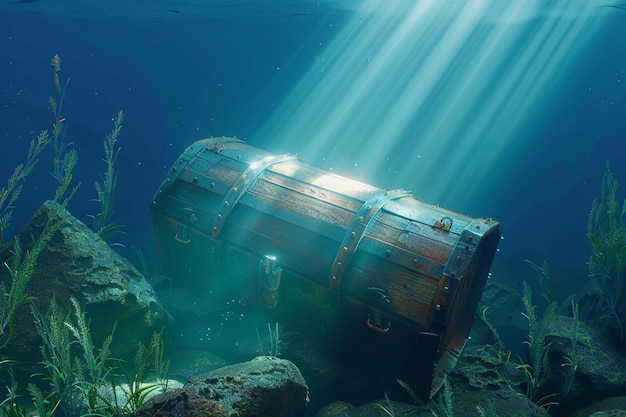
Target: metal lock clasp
182, 232
377, 324
269, 280
444, 224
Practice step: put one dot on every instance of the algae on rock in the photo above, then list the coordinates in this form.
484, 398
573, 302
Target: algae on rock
76, 262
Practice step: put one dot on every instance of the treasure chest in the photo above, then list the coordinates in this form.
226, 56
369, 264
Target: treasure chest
406, 267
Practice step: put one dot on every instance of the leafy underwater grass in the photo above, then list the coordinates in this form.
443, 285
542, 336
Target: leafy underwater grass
74, 374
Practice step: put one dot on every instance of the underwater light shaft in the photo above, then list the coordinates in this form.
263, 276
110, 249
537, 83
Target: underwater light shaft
432, 96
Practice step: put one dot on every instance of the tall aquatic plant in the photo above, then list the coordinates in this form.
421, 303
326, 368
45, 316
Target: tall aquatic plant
73, 368
536, 370
606, 236
10, 194
272, 347
107, 185
572, 359
503, 355
59, 127
136, 389
65, 157
445, 400
83, 380
60, 368
545, 280
22, 266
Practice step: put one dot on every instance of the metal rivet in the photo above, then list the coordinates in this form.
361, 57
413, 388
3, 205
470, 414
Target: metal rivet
334, 277
415, 262
215, 228
345, 249
226, 203
387, 253
173, 169
438, 307
353, 234
234, 189
361, 219
212, 185
446, 288
195, 180
338, 263
219, 217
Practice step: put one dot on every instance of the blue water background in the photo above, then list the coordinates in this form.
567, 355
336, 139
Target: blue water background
184, 72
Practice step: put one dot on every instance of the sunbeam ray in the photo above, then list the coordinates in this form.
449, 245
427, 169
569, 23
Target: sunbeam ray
430, 96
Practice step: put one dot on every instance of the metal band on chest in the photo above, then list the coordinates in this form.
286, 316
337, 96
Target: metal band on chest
179, 166
240, 187
457, 266
356, 230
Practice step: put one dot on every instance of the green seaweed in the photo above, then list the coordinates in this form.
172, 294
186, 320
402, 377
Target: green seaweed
445, 400
489, 410
83, 380
135, 388
70, 366
606, 236
272, 347
536, 371
105, 188
21, 268
59, 367
502, 353
10, 406
64, 158
10, 194
386, 408
22, 265
571, 360
545, 282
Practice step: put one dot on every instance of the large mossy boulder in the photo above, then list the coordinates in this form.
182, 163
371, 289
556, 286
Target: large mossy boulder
601, 369
263, 387
78, 263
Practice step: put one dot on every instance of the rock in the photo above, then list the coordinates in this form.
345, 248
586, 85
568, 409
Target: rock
479, 368
173, 403
263, 387
338, 409
501, 403
610, 413
608, 407
78, 263
601, 369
